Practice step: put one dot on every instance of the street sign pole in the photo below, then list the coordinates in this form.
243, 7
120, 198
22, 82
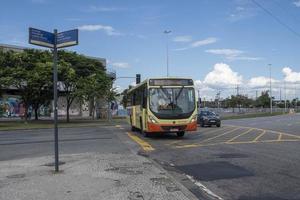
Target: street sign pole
55, 100
54, 41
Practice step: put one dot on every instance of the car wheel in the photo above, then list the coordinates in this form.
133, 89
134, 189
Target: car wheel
202, 124
180, 134
219, 125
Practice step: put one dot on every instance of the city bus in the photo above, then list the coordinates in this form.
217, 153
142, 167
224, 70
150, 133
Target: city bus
159, 105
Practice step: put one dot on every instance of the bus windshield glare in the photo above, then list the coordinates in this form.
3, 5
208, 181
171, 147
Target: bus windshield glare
172, 102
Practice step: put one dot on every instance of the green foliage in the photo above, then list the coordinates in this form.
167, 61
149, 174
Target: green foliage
238, 101
30, 72
263, 100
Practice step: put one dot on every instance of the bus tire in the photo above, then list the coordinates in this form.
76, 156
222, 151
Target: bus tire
133, 128
180, 134
144, 133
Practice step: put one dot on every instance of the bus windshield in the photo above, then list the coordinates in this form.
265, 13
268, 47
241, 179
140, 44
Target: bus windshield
172, 102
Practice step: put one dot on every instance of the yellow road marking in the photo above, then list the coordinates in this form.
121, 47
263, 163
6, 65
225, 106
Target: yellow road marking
214, 130
117, 126
263, 141
220, 135
279, 137
244, 133
291, 135
268, 130
232, 143
201, 143
145, 145
260, 135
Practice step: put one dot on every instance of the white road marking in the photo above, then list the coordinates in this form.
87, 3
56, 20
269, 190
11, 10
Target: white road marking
202, 187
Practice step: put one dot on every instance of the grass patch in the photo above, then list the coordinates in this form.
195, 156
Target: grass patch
253, 115
42, 124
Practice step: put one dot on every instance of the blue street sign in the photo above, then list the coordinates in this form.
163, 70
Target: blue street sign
67, 38
41, 38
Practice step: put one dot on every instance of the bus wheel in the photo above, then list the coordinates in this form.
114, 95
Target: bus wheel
180, 134
144, 133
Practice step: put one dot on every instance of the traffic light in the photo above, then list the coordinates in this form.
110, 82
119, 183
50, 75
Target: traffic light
137, 78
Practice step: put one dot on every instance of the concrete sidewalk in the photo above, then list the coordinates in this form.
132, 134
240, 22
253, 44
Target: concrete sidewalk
88, 176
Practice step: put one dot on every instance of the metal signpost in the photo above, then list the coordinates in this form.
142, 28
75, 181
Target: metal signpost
54, 41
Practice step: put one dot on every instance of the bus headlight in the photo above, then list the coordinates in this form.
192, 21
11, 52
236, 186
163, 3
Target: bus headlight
151, 119
194, 118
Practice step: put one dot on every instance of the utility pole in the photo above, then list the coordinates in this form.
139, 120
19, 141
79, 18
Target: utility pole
280, 94
167, 49
296, 100
255, 94
199, 103
218, 100
271, 106
237, 90
284, 96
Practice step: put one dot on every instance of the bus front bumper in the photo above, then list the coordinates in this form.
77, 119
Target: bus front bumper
152, 127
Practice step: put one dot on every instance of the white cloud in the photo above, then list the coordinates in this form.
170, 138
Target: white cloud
297, 3
222, 76
123, 65
183, 38
204, 42
199, 43
244, 58
225, 52
290, 75
260, 82
232, 54
98, 27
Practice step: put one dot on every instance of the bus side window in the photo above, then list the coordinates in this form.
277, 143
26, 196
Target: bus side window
145, 97
129, 100
134, 98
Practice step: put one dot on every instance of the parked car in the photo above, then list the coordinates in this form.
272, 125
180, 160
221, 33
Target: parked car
208, 118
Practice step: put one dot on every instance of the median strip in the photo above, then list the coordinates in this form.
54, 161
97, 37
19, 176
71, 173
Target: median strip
145, 145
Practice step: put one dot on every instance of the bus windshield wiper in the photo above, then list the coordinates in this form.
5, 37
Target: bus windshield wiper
179, 93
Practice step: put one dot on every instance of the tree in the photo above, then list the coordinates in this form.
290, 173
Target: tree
69, 83
94, 87
42, 87
263, 100
29, 72
124, 98
82, 78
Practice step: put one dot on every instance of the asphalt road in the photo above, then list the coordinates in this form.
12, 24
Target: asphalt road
244, 159
34, 143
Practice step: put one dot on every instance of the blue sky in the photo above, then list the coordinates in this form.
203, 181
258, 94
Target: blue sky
220, 43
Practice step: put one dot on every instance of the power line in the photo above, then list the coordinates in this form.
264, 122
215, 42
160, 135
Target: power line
276, 18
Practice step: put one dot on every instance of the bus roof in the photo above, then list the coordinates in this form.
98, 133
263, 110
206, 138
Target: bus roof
156, 78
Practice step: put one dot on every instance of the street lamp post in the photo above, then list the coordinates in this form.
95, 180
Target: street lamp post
167, 49
271, 106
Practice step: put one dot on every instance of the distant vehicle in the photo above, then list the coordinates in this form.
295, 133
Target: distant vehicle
159, 105
208, 118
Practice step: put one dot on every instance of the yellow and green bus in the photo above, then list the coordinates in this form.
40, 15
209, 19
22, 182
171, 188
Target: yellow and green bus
159, 105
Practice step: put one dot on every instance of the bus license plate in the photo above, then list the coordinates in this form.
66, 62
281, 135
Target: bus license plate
174, 129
